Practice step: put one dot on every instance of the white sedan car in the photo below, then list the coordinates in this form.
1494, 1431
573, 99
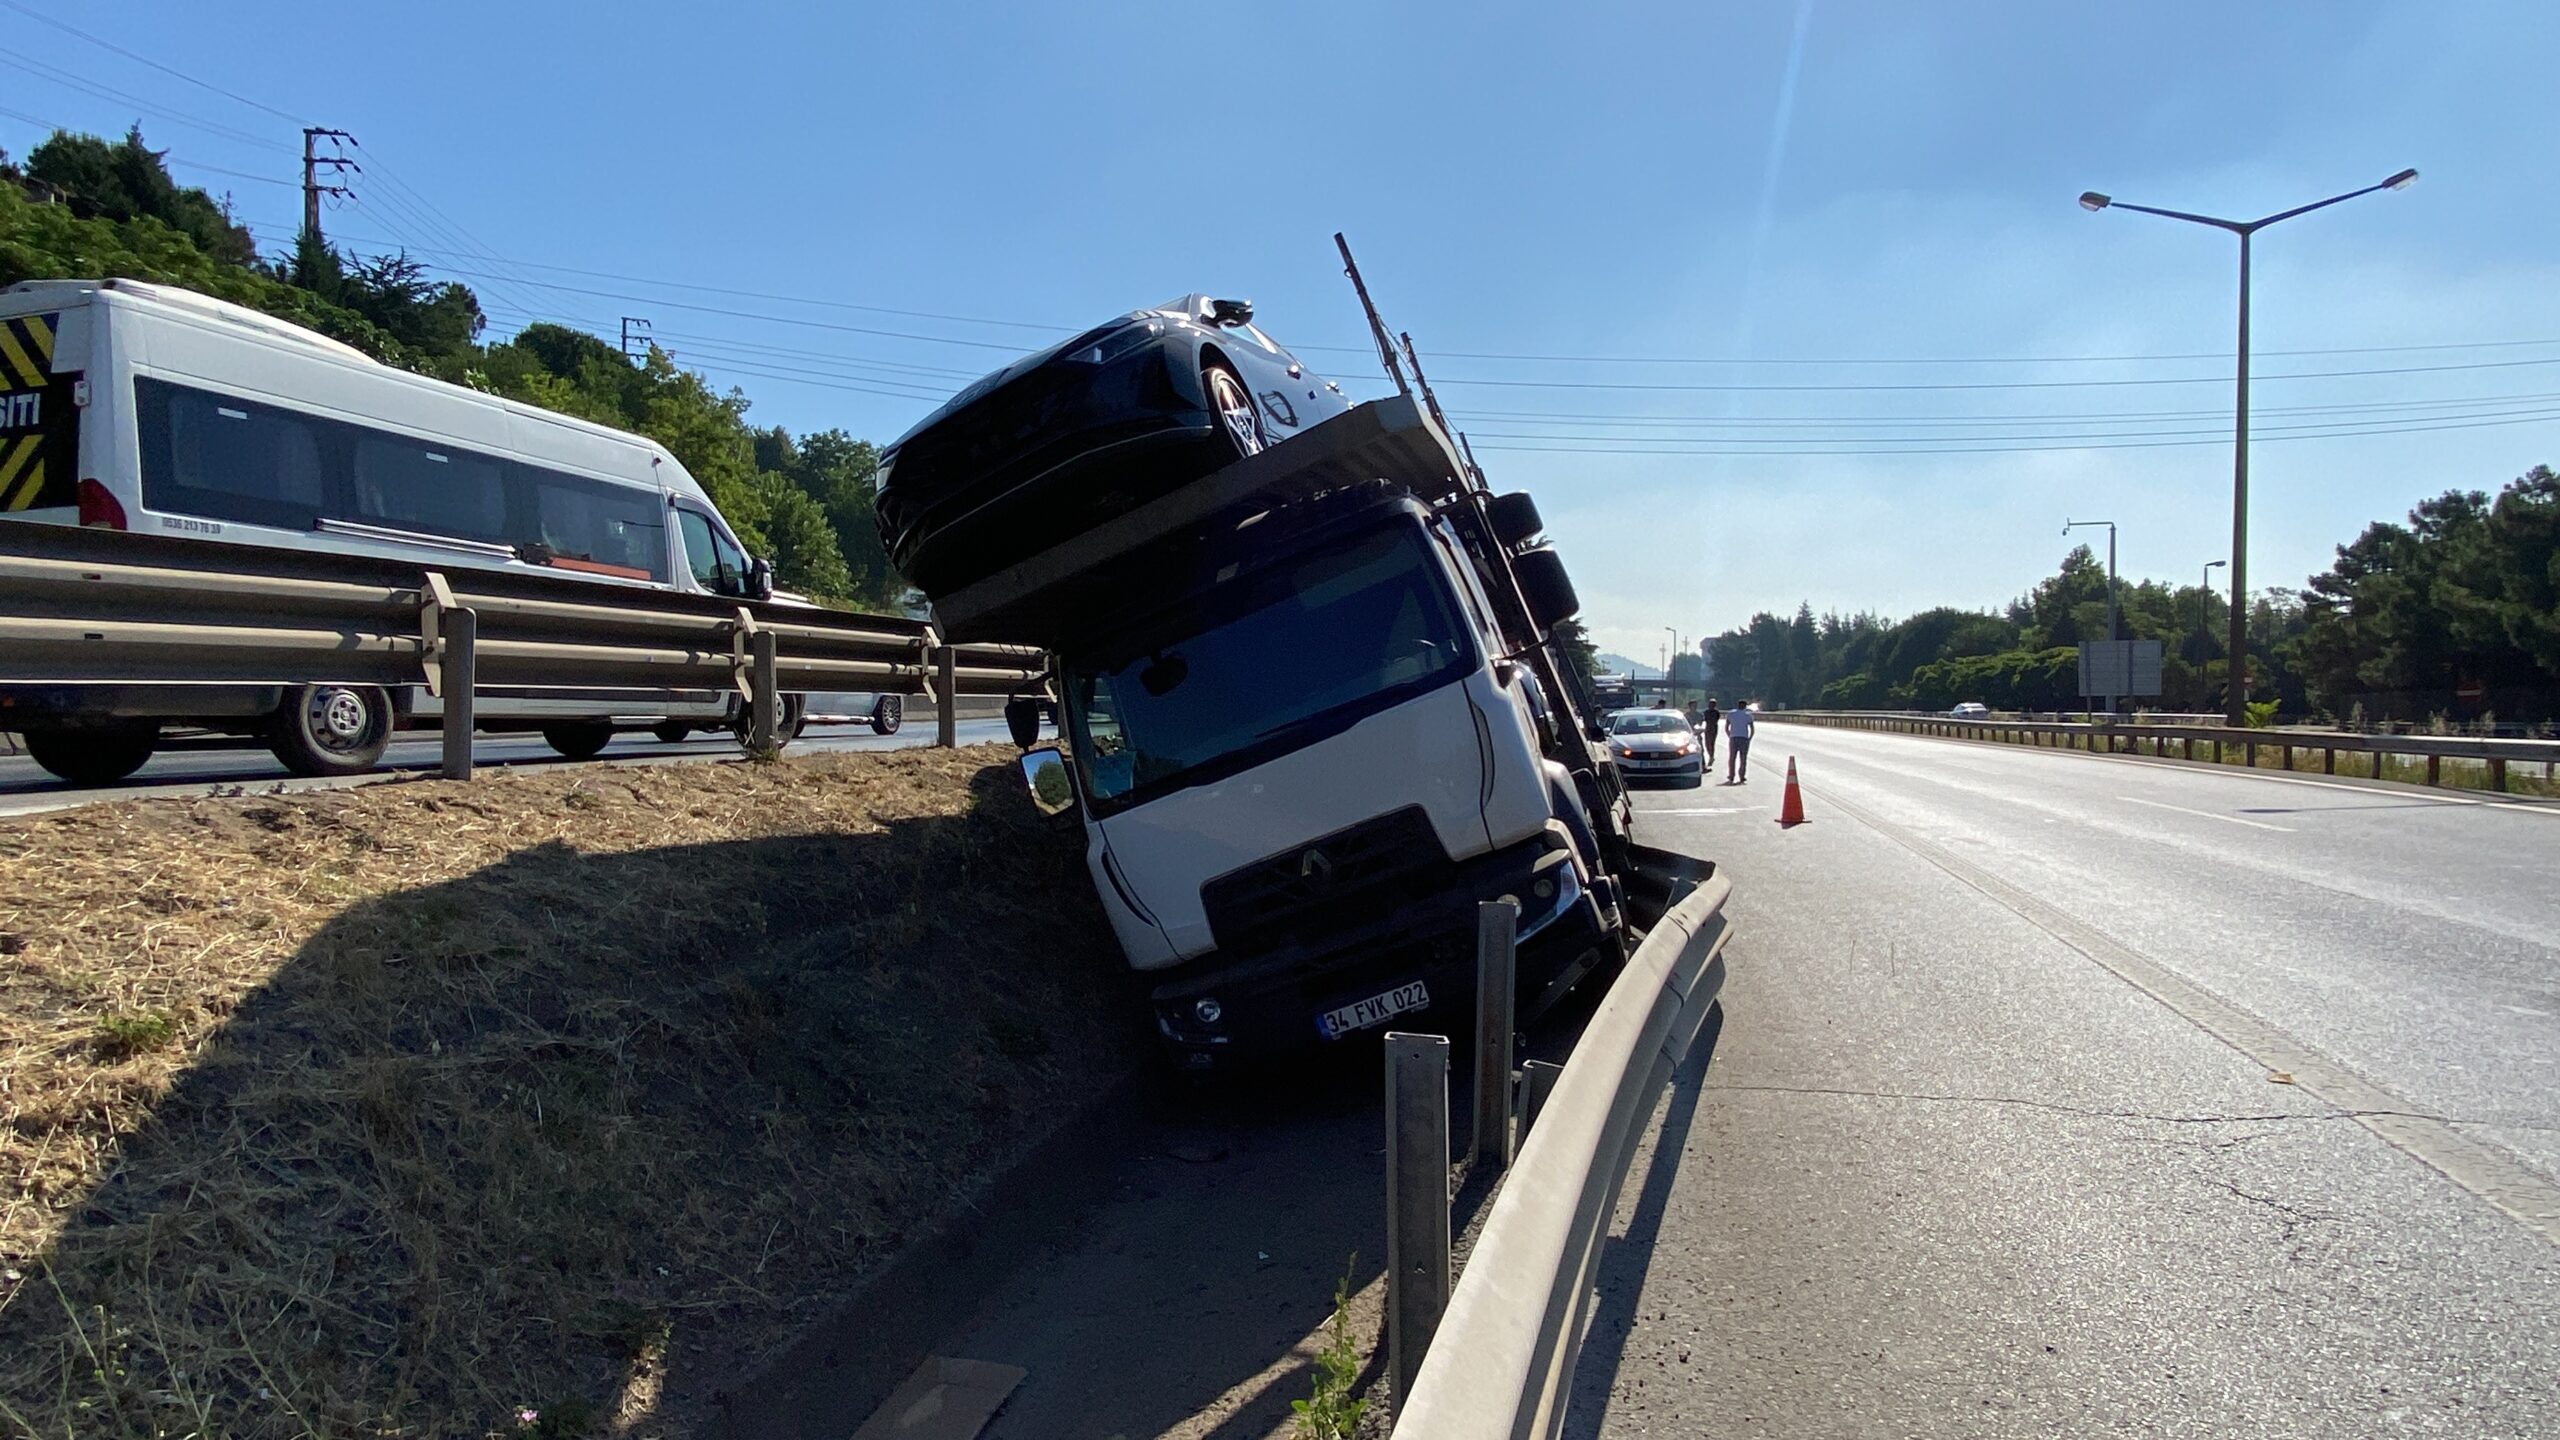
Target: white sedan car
1970, 710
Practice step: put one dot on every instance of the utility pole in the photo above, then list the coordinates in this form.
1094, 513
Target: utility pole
312, 160
2067, 527
2204, 617
635, 328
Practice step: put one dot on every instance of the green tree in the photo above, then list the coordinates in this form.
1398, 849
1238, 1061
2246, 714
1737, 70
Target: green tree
128, 180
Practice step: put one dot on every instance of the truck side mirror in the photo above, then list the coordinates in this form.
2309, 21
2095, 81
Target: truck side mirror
1545, 586
1022, 716
760, 578
1053, 790
1514, 517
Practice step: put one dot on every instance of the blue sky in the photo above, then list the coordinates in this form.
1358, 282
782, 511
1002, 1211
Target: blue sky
1739, 188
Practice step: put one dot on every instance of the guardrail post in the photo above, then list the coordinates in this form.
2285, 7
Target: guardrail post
1417, 1200
1497, 961
2498, 773
2435, 769
1537, 1082
2329, 760
946, 698
458, 632
764, 719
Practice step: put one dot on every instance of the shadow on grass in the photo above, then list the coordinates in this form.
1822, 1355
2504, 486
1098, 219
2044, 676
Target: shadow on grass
574, 1137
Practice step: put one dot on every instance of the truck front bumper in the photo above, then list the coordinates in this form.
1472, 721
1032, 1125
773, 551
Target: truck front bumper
1221, 1010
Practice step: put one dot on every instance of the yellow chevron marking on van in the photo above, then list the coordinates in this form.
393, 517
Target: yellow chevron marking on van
16, 365
20, 496
39, 334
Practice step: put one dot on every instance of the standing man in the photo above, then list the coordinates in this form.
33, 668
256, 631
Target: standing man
1737, 734
1707, 731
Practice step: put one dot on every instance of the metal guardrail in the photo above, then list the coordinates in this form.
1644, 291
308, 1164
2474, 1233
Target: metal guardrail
2156, 741
1500, 1357
81, 606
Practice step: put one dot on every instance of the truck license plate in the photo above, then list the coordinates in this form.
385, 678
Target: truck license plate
1334, 1024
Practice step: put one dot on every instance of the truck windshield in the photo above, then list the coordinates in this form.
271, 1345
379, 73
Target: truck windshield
1306, 648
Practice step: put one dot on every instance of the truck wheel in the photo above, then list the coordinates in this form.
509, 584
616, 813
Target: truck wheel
93, 757
673, 732
579, 739
887, 714
330, 729
1233, 403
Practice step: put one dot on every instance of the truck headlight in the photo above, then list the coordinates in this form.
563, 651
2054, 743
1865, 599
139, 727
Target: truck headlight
1569, 891
1208, 1010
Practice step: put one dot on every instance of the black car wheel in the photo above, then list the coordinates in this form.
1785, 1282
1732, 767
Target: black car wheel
96, 756
1234, 404
674, 732
330, 729
578, 739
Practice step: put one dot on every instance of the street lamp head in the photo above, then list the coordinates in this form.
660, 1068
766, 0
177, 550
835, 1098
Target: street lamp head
2401, 181
2092, 200
2215, 564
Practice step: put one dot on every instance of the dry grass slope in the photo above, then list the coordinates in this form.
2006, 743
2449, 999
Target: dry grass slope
412, 1109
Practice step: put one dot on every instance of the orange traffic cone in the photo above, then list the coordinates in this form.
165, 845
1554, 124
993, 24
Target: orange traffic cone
1791, 809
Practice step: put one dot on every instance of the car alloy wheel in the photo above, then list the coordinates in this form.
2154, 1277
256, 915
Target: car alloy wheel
1235, 410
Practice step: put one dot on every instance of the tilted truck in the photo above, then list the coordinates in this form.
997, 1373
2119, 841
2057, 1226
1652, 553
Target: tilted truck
1311, 712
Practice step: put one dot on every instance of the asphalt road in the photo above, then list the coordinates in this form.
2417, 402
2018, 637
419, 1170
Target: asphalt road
26, 789
2068, 1095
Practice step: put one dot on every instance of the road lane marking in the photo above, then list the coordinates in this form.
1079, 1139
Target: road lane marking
2207, 814
1712, 810
2521, 1193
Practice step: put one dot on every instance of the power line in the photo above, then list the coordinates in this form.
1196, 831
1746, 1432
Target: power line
34, 14
746, 315
1948, 359
1541, 417
2225, 441
240, 174
2341, 425
104, 92
1998, 384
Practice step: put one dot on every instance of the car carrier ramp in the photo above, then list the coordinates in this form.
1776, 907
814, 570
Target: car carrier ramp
1390, 439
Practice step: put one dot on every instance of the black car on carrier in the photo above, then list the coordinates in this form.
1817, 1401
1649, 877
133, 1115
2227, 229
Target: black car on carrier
1064, 439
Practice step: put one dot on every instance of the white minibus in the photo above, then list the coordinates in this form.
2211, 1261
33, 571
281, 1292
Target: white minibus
141, 407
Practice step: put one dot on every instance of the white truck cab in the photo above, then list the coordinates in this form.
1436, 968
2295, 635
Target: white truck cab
1304, 759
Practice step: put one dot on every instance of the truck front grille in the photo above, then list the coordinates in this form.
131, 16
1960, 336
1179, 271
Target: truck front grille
1336, 882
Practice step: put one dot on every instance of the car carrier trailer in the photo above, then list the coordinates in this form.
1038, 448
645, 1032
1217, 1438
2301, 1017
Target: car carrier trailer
1312, 712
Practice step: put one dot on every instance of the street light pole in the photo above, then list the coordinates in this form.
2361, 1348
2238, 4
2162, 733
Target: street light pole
2236, 712
1671, 670
2068, 526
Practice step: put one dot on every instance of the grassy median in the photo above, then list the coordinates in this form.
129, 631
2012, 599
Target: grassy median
545, 1105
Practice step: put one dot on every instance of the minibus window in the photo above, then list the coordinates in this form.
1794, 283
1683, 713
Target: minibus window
414, 485
718, 566
227, 459
600, 529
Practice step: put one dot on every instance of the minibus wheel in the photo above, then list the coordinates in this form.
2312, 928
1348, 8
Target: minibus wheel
887, 714
578, 739
331, 729
93, 756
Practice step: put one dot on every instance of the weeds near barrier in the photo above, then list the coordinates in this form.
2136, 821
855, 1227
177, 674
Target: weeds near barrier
1331, 1413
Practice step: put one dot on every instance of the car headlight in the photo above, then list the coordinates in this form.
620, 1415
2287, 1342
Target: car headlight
1618, 748
1686, 747
1110, 345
